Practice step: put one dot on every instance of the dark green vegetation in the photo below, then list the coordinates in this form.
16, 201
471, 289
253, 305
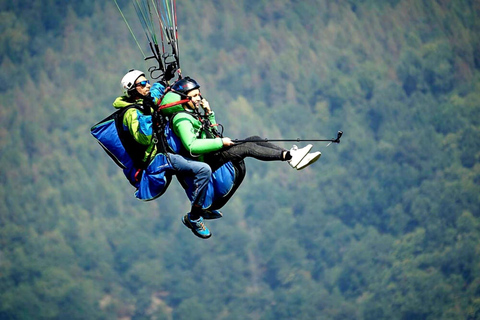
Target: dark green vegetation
385, 226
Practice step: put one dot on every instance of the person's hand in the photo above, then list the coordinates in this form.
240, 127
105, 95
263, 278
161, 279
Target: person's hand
227, 142
206, 106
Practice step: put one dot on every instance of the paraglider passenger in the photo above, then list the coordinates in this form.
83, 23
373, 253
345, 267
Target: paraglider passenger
199, 138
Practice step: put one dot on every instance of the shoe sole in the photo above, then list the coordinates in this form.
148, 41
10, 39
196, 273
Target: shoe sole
309, 163
189, 226
209, 215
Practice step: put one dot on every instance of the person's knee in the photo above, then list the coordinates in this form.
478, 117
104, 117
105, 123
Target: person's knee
204, 171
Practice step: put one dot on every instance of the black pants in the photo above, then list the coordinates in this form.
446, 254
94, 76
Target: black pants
264, 151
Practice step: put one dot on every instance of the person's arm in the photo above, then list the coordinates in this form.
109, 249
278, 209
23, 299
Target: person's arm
183, 126
156, 92
139, 125
211, 117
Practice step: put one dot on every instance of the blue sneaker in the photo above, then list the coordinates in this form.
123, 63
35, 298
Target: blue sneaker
197, 227
208, 214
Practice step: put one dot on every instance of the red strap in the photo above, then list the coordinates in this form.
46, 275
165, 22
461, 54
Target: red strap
168, 105
138, 174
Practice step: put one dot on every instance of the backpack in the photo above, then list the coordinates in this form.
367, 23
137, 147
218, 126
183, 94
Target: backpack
128, 155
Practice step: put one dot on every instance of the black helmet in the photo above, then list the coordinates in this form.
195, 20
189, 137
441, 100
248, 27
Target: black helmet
185, 85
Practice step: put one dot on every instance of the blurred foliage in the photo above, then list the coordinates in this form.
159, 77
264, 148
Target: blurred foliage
385, 226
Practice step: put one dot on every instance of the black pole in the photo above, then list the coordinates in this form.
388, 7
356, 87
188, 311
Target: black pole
335, 140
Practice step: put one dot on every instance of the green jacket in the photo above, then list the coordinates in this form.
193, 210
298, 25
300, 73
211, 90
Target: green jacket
194, 140
138, 124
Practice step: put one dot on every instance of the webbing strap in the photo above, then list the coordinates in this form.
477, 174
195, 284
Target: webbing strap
168, 105
138, 175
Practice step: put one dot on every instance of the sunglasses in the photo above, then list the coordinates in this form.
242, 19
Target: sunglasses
142, 83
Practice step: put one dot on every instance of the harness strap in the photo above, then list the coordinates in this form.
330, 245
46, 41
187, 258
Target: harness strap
138, 174
168, 105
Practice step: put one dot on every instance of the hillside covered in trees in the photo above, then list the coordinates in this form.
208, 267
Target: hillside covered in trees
386, 225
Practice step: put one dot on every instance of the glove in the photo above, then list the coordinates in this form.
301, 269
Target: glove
170, 71
148, 104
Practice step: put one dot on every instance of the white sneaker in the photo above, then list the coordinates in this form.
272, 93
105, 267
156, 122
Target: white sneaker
298, 154
309, 159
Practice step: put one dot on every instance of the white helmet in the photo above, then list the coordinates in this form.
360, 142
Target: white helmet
128, 80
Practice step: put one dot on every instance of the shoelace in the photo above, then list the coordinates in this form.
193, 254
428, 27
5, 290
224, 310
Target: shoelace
200, 225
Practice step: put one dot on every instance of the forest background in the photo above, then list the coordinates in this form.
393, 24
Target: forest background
385, 226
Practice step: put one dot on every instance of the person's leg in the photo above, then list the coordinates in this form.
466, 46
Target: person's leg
260, 150
266, 143
263, 151
200, 172
297, 158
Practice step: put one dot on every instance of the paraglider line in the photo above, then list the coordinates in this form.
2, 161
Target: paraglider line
128, 26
